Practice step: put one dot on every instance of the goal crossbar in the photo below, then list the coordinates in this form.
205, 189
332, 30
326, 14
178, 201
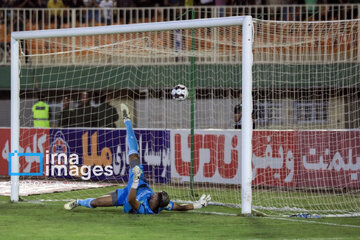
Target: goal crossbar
132, 28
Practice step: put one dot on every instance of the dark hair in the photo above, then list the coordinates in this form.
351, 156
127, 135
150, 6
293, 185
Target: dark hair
164, 199
237, 109
41, 96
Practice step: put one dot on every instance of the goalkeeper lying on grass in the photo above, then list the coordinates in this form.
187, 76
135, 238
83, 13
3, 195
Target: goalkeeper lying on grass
137, 196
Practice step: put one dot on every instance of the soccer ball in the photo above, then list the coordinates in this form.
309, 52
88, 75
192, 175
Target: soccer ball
180, 92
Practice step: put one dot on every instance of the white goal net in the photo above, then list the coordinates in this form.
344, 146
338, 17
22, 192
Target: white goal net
306, 110
305, 143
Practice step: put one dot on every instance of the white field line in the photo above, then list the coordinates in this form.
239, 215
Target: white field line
215, 213
315, 222
285, 219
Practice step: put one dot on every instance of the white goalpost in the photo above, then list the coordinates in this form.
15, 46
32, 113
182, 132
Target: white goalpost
73, 47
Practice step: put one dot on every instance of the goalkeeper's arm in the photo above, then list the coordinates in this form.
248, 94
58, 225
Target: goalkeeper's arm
203, 202
135, 204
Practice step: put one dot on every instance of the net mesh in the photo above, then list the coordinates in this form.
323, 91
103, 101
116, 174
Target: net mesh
85, 80
305, 101
306, 83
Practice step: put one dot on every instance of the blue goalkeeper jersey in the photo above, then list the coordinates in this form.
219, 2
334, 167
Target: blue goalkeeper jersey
143, 194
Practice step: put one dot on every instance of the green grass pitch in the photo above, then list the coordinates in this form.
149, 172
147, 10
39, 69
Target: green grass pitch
32, 219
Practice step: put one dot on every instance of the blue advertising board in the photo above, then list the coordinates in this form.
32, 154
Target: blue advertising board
101, 154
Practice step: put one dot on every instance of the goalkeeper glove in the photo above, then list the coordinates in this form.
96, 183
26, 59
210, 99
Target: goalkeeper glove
137, 173
203, 202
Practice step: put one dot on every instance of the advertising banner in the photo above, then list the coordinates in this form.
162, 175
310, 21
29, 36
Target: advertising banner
275, 158
279, 158
5, 149
216, 156
329, 159
93, 154
32, 140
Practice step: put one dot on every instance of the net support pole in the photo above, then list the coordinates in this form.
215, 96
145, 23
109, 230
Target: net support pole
246, 124
192, 107
15, 120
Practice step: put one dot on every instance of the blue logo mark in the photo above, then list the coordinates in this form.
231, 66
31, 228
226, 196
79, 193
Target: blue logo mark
40, 155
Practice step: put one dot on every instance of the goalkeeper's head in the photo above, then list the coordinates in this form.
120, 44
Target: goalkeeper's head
159, 200
164, 199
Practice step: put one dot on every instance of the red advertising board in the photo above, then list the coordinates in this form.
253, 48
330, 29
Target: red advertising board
5, 148
310, 159
275, 158
216, 156
329, 159
31, 141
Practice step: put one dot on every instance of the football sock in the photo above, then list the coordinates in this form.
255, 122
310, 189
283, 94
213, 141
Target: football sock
130, 137
86, 202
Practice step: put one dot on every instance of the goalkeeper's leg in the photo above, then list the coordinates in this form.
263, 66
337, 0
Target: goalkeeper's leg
130, 138
134, 158
104, 201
